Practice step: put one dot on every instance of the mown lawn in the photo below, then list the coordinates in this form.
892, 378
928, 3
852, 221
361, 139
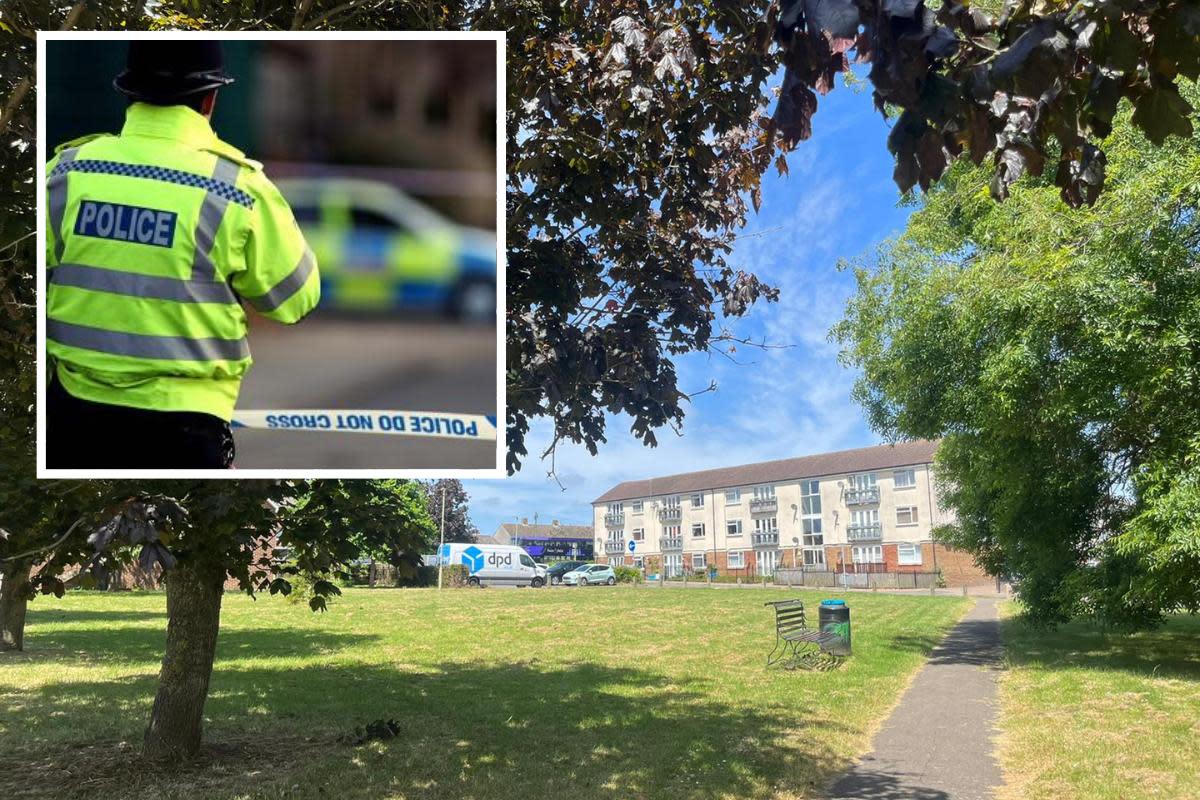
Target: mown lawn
1090, 716
579, 693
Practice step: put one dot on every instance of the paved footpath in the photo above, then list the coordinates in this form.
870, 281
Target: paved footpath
937, 744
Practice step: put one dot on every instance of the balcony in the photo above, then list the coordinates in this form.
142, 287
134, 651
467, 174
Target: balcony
768, 539
670, 514
614, 547
764, 505
864, 532
614, 520
862, 497
670, 543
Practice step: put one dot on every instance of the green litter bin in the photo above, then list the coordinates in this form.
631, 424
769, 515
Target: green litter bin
833, 616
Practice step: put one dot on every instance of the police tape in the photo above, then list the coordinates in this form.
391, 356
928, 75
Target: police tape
480, 427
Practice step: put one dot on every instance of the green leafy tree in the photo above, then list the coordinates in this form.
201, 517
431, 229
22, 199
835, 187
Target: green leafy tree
255, 534
459, 527
1057, 351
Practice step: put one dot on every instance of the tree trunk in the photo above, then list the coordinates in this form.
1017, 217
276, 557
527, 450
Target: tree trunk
193, 617
14, 596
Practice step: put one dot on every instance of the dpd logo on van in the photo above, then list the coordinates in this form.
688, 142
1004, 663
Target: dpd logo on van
473, 558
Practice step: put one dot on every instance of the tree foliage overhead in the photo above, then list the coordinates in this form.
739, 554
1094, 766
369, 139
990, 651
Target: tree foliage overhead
1057, 351
1027, 84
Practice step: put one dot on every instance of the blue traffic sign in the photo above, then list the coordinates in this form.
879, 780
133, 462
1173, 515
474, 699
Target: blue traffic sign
632, 545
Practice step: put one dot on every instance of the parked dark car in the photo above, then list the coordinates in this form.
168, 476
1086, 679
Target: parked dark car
556, 571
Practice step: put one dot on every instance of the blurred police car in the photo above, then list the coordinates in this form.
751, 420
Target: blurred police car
379, 249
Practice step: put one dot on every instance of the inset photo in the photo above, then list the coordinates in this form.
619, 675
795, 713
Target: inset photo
271, 254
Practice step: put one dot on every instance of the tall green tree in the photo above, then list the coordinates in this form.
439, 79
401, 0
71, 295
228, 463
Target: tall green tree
458, 524
1057, 352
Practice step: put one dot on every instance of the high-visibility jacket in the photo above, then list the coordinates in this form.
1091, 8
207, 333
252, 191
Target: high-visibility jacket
154, 237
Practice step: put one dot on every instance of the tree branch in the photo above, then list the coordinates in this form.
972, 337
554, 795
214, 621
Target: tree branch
301, 13
50, 546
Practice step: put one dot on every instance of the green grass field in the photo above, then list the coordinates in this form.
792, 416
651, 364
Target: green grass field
500, 694
1093, 717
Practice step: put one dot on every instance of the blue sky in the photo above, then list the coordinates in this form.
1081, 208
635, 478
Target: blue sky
837, 202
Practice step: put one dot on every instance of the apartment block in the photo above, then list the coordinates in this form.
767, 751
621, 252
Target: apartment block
866, 510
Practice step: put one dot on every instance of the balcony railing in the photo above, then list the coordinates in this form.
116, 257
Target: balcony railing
764, 505
614, 547
769, 539
859, 497
614, 520
667, 543
670, 514
864, 532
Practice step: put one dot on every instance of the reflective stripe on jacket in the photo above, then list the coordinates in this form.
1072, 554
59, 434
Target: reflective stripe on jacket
153, 238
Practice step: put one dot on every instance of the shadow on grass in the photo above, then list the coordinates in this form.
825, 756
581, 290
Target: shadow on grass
467, 730
52, 615
145, 643
1172, 651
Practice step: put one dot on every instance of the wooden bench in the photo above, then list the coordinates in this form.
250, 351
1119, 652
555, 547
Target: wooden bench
795, 643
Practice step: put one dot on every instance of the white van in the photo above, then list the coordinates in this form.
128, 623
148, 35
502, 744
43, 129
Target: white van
495, 564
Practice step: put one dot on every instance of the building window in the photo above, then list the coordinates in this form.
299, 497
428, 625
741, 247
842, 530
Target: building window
698, 561
906, 515
639, 534
639, 562
671, 531
813, 535
698, 530
864, 517
697, 501
814, 556
865, 480
908, 553
904, 478
737, 559
636, 507
733, 527
616, 508
671, 502
766, 524
733, 496
868, 554
764, 492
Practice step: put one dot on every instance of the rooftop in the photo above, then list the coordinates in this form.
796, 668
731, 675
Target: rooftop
546, 531
863, 459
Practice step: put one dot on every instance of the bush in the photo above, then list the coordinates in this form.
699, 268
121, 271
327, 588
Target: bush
455, 576
628, 574
424, 576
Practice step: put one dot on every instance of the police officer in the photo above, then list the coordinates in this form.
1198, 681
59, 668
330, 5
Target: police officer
156, 237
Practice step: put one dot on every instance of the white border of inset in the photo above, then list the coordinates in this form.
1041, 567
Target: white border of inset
499, 37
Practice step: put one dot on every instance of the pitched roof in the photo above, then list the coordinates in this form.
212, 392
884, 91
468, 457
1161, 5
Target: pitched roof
863, 459
547, 531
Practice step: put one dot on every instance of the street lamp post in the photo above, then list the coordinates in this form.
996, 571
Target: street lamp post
442, 545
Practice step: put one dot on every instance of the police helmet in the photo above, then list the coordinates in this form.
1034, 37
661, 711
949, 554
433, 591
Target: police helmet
171, 71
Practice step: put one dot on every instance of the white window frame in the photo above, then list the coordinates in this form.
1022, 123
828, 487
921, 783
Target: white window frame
766, 524
913, 557
736, 555
635, 507
912, 516
698, 497
733, 527
863, 480
733, 497
672, 531
873, 553
671, 501
764, 492
699, 535
911, 484
814, 556
702, 563
864, 516
639, 561
616, 508
639, 534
